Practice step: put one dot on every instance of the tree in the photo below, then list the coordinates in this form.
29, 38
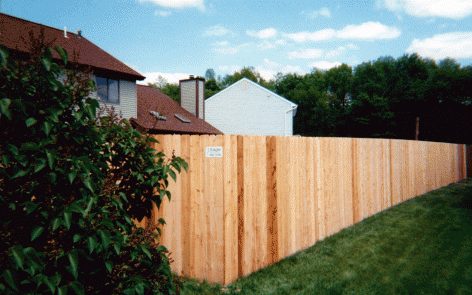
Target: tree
171, 90
211, 88
210, 74
70, 185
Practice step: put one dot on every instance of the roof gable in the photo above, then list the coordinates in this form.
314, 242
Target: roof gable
151, 99
239, 83
15, 34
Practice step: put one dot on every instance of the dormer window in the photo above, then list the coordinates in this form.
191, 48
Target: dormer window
108, 90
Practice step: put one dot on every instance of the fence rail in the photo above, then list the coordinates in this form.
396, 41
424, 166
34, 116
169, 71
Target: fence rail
269, 197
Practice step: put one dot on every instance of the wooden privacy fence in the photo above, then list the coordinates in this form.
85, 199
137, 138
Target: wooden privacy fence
267, 198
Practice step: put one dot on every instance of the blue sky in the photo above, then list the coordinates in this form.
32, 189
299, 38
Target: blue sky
182, 37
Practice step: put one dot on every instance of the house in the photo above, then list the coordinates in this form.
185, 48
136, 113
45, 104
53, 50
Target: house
160, 114
246, 108
115, 80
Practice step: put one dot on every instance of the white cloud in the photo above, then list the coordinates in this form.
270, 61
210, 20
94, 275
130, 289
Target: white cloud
352, 46
305, 53
455, 9
266, 45
324, 65
315, 13
221, 43
269, 69
315, 36
217, 31
229, 69
280, 42
454, 45
368, 30
171, 78
335, 53
231, 50
178, 3
267, 33
162, 13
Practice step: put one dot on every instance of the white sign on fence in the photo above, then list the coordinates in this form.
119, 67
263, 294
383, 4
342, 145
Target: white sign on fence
214, 152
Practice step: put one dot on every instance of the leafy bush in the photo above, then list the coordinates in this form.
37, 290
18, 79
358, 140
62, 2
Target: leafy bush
71, 184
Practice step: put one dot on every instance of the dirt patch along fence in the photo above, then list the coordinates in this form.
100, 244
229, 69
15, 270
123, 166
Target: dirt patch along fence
252, 200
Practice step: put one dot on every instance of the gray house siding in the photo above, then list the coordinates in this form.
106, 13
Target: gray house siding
128, 98
246, 108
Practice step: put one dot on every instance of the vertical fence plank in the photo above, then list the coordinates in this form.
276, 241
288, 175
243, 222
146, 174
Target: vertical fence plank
249, 228
282, 204
310, 191
241, 192
197, 226
345, 169
355, 182
186, 206
320, 188
174, 207
230, 192
272, 228
260, 199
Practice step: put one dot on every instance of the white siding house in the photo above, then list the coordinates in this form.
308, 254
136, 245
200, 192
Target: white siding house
246, 108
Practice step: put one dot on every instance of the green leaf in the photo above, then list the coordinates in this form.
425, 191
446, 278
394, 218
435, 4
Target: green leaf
29, 146
146, 251
109, 265
62, 53
62, 290
107, 222
47, 62
17, 251
4, 107
4, 53
30, 121
116, 245
176, 166
77, 207
50, 155
149, 169
139, 288
37, 231
10, 279
87, 183
92, 243
39, 165
172, 174
74, 262
106, 237
72, 175
47, 127
56, 223
76, 238
78, 288
68, 219
51, 283
134, 254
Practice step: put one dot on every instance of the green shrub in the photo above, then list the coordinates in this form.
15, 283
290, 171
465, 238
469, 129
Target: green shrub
70, 184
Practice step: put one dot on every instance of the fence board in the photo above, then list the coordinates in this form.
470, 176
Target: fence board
269, 197
230, 192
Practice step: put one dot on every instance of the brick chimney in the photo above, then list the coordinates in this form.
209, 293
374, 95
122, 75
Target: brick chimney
192, 96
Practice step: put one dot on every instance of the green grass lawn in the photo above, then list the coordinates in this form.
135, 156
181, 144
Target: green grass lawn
422, 246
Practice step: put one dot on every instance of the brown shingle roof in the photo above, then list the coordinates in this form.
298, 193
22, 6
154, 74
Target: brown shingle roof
151, 99
15, 31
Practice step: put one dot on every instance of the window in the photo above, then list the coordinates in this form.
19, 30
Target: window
108, 90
